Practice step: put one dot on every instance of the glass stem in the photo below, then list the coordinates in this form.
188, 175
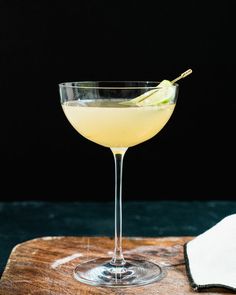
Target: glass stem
118, 259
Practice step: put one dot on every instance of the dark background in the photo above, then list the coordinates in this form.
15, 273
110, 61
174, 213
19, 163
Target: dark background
45, 43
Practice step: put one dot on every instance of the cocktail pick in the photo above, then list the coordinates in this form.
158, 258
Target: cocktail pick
183, 75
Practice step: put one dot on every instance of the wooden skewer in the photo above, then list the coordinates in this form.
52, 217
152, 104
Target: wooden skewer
183, 75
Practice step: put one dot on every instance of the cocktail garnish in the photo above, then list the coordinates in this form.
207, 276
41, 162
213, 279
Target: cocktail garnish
163, 93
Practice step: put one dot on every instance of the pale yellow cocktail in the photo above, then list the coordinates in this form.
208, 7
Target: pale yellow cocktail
111, 124
118, 115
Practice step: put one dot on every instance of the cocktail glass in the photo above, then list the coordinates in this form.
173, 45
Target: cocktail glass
99, 111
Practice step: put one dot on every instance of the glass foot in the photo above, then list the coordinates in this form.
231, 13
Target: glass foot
100, 272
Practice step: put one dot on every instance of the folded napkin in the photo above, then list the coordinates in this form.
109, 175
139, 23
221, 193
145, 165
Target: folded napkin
210, 258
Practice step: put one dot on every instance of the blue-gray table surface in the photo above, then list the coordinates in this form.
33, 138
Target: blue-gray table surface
25, 220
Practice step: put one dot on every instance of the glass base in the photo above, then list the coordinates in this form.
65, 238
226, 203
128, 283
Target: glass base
100, 272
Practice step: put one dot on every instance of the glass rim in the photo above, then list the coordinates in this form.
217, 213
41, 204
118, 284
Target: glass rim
82, 86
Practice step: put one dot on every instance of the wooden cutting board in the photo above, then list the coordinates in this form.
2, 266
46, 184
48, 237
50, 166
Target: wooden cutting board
44, 266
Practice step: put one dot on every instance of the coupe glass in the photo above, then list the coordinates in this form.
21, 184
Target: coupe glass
99, 112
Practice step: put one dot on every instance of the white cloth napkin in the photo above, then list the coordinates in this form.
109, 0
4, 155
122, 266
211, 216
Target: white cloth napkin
210, 258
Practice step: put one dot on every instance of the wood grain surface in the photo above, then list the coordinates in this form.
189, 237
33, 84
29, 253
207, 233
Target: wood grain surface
45, 266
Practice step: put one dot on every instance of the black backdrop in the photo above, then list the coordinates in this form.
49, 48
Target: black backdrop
45, 43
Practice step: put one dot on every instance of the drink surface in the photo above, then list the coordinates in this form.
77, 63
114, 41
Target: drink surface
111, 124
